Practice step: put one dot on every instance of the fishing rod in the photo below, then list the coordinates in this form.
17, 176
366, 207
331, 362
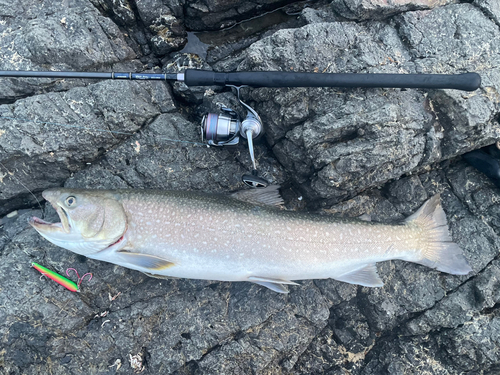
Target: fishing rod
226, 128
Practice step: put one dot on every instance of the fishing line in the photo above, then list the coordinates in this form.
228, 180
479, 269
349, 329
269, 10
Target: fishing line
24, 186
20, 119
96, 129
64, 125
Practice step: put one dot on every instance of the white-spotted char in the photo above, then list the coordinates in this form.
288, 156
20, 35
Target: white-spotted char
195, 235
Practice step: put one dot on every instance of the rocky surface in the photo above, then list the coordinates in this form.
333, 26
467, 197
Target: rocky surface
349, 152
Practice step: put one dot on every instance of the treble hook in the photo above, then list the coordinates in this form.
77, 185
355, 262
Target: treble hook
79, 279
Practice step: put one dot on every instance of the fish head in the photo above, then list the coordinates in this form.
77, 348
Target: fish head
91, 220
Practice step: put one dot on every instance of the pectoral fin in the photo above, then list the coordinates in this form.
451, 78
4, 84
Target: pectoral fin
148, 262
276, 285
366, 276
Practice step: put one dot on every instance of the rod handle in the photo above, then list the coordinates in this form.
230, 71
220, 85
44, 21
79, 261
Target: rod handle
465, 81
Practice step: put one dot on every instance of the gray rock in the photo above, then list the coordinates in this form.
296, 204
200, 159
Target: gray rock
340, 141
47, 36
210, 15
164, 21
46, 138
349, 152
490, 8
375, 9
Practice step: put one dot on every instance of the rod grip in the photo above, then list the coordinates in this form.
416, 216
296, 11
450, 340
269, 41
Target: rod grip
465, 81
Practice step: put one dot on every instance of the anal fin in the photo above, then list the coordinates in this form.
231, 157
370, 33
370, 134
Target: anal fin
144, 261
365, 276
275, 287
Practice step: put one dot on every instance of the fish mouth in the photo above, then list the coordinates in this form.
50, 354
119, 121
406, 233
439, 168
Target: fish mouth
45, 226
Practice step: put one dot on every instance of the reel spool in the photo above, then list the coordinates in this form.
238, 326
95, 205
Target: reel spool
221, 129
226, 128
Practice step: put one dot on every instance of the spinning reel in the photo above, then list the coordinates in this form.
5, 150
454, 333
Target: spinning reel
226, 128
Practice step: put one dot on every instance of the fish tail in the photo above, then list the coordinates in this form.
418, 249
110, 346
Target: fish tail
439, 251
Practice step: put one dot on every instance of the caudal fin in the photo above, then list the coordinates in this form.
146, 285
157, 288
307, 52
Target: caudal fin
439, 252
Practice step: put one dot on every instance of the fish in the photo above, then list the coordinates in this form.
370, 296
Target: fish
241, 237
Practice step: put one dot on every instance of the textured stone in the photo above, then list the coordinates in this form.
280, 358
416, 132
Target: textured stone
47, 36
379, 9
46, 138
210, 15
376, 152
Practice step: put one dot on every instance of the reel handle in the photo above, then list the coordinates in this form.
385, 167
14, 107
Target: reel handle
465, 81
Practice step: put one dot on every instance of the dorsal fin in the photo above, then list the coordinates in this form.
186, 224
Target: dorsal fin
268, 196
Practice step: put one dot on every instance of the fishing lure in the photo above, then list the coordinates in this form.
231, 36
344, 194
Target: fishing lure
68, 284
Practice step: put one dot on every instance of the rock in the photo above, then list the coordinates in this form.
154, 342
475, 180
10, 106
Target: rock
164, 21
46, 138
121, 11
326, 135
490, 8
350, 152
48, 36
376, 9
211, 15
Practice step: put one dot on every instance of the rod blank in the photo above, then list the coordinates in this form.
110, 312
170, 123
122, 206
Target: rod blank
89, 75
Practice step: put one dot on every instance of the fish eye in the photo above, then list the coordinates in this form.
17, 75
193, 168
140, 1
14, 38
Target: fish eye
70, 201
